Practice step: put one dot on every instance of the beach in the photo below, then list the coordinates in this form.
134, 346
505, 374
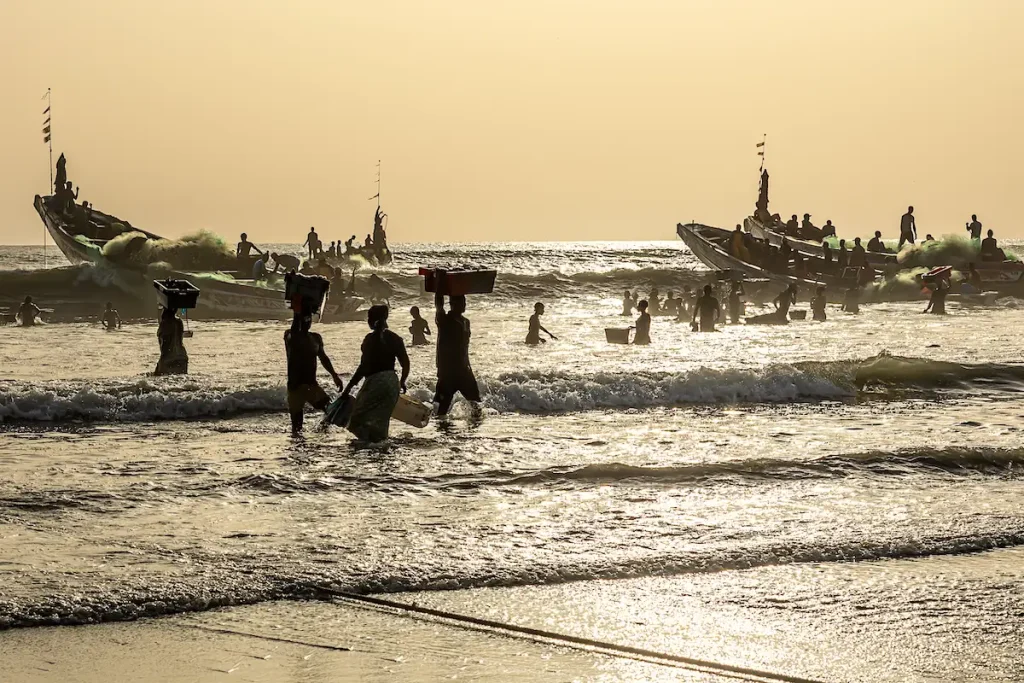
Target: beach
831, 501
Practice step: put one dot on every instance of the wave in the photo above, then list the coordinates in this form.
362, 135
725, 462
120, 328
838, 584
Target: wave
147, 399
236, 583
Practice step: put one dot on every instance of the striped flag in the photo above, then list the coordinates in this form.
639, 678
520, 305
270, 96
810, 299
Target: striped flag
760, 144
46, 111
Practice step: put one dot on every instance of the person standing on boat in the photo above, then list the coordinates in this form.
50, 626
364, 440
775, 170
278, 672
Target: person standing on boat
858, 257
908, 228
454, 372
243, 252
380, 240
302, 349
826, 253
376, 400
974, 227
843, 257
62, 173
643, 325
313, 243
28, 312
808, 230
66, 198
170, 333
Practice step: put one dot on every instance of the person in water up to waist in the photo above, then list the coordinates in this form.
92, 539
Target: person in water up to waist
302, 349
643, 325
533, 337
28, 312
419, 329
111, 320
908, 228
381, 348
707, 309
818, 304
170, 334
454, 372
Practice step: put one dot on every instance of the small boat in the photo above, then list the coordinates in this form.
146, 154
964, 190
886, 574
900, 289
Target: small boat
228, 290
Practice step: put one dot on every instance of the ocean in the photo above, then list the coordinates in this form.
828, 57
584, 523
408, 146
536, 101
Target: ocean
836, 501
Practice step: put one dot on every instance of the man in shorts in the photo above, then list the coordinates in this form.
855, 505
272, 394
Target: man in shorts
302, 349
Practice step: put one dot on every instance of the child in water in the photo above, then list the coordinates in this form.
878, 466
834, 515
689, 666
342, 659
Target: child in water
419, 328
533, 336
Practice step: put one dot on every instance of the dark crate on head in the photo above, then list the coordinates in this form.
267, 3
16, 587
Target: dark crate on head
176, 294
458, 282
305, 292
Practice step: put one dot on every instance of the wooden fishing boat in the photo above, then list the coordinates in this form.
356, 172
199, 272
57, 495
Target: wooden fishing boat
227, 292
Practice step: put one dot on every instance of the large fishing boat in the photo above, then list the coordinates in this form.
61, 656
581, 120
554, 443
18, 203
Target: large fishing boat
228, 290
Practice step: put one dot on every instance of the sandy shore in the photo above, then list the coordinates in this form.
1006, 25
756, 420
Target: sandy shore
299, 642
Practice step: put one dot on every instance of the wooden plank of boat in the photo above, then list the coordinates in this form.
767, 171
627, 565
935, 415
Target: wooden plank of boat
807, 247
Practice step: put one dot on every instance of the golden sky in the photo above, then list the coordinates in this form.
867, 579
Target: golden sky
515, 120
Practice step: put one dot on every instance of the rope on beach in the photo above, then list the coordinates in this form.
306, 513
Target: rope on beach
611, 649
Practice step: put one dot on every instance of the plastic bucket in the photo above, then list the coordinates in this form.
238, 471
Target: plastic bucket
616, 335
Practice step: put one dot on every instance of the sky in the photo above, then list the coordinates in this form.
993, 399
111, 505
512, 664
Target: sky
525, 120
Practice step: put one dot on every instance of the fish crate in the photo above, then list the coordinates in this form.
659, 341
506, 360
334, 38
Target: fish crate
616, 335
305, 292
458, 282
176, 294
798, 315
411, 412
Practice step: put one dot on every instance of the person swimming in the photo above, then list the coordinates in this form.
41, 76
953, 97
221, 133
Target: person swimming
643, 325
818, 303
111, 320
708, 309
533, 337
419, 329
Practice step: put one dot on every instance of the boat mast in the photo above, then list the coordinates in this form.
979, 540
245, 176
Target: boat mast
378, 183
760, 151
48, 139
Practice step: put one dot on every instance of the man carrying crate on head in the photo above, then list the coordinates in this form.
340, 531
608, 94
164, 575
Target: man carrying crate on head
454, 372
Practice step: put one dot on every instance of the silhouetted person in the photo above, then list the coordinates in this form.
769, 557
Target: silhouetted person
828, 230
381, 348
533, 337
259, 268
66, 198
972, 284
350, 245
654, 302
908, 228
62, 174
928, 238
793, 227
843, 258
826, 253
454, 372
368, 243
808, 230
286, 261
974, 227
937, 302
627, 303
707, 309
762, 212
312, 243
736, 294
419, 329
380, 240
858, 257
302, 349
818, 303
875, 243
990, 250
170, 334
783, 302
28, 312
245, 248
851, 304
642, 325
111, 320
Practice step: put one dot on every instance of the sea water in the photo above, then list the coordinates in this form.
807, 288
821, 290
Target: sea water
840, 500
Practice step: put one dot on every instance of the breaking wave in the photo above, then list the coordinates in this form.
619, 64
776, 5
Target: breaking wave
235, 583
148, 399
